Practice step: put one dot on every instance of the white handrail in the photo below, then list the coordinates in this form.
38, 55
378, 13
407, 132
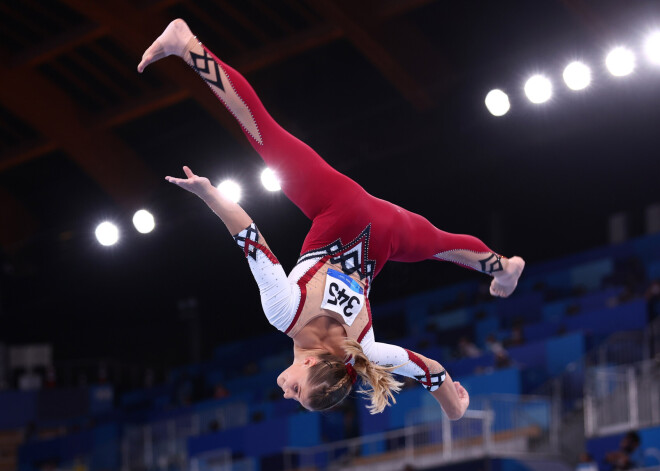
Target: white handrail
621, 398
435, 441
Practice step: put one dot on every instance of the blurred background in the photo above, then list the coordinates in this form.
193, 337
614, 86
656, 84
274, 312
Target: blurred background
153, 352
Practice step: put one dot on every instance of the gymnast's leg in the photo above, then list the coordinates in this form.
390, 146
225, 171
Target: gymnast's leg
307, 180
317, 189
415, 239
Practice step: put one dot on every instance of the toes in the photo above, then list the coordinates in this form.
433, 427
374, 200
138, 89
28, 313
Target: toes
147, 58
143, 64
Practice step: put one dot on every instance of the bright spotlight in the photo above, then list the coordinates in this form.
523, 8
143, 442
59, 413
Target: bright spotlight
620, 62
270, 180
538, 89
577, 76
497, 102
230, 190
652, 48
144, 221
107, 233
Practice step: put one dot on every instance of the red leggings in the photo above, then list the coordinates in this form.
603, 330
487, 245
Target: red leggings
338, 206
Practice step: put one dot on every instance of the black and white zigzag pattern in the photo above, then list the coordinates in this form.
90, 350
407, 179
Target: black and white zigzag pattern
203, 65
353, 257
252, 233
436, 380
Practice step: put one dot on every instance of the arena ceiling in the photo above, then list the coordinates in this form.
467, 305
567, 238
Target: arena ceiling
389, 92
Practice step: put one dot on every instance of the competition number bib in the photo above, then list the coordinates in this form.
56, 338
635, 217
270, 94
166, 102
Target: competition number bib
342, 295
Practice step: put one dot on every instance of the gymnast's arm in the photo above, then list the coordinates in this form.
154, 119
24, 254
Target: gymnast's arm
277, 294
452, 397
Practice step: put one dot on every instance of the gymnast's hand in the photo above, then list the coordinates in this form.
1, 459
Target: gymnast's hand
231, 213
201, 186
463, 396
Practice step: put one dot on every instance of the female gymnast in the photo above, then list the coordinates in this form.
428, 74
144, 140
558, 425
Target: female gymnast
323, 304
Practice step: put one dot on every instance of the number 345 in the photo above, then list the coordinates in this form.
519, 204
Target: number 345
340, 297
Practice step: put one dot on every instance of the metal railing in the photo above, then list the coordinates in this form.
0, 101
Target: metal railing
163, 444
493, 426
621, 398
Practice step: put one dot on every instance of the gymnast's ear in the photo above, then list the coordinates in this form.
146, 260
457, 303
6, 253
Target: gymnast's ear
310, 361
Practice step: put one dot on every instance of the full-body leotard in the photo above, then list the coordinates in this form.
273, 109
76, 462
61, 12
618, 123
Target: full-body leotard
353, 233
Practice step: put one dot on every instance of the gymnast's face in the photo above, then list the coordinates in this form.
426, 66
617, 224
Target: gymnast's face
293, 380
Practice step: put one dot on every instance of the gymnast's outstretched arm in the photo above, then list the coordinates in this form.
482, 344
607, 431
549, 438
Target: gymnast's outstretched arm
278, 296
451, 395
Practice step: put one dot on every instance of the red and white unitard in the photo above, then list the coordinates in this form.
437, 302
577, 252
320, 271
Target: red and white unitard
353, 233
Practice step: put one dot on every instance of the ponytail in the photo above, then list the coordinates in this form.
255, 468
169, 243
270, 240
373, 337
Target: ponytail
383, 384
331, 381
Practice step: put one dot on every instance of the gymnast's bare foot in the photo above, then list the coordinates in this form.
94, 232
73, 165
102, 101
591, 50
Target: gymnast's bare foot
173, 40
506, 281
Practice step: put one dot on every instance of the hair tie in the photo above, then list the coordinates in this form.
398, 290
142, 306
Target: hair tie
351, 372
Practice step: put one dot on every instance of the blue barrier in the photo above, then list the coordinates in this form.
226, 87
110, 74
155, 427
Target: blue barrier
484, 328
647, 247
260, 383
590, 275
469, 366
599, 299
526, 306
143, 397
505, 381
263, 438
105, 452
231, 439
528, 355
555, 311
304, 429
653, 270
628, 316
541, 331
69, 447
333, 426
562, 351
18, 408
406, 401
101, 399
451, 319
371, 424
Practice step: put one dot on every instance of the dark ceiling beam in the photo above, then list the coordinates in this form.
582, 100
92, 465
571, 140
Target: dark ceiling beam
25, 152
153, 101
63, 70
365, 42
103, 156
243, 20
148, 103
223, 33
281, 50
424, 60
99, 75
113, 61
303, 10
315, 36
56, 45
135, 32
274, 16
13, 17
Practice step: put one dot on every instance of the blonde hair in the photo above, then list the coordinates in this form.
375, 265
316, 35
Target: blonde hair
330, 382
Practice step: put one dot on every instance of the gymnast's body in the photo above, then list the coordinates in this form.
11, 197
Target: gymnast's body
323, 303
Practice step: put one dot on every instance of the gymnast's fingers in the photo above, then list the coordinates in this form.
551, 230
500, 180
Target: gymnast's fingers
189, 173
176, 181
